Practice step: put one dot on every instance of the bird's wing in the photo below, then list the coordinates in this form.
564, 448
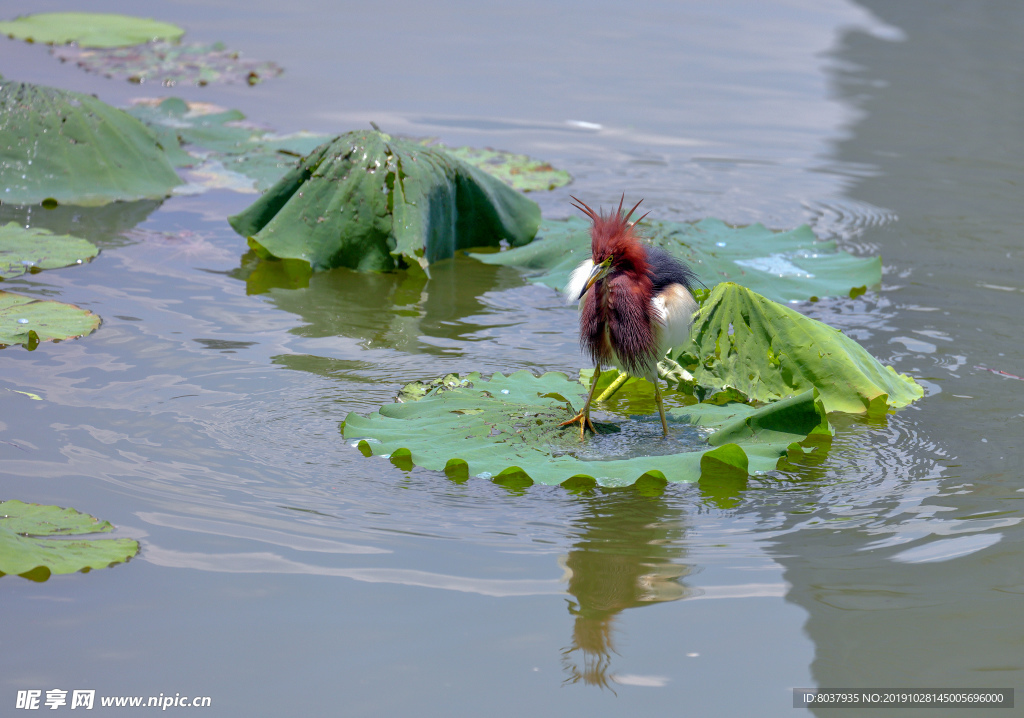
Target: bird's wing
578, 280
674, 308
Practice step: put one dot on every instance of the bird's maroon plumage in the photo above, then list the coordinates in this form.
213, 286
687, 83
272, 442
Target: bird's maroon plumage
635, 303
616, 317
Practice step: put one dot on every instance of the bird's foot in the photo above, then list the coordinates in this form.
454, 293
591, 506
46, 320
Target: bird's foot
584, 420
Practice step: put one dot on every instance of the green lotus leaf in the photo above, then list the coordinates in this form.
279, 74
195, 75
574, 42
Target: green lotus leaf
170, 63
230, 153
521, 172
28, 546
30, 250
89, 29
506, 428
765, 351
208, 128
784, 266
226, 151
74, 149
367, 201
28, 321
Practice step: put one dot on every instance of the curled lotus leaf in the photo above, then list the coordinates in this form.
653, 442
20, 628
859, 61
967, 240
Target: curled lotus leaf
89, 29
506, 428
786, 266
72, 148
367, 201
31, 250
33, 543
747, 345
28, 321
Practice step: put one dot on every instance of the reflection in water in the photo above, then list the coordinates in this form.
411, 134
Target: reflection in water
98, 224
915, 549
626, 554
403, 310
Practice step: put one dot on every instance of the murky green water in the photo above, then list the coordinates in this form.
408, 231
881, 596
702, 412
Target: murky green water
284, 574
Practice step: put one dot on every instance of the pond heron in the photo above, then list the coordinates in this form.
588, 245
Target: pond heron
635, 303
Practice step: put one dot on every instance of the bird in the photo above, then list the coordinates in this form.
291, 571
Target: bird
635, 302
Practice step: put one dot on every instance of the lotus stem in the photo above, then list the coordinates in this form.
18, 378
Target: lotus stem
621, 379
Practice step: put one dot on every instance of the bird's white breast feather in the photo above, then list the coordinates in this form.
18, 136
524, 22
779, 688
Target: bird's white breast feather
674, 308
578, 280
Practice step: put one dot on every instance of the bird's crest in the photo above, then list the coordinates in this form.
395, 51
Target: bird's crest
613, 235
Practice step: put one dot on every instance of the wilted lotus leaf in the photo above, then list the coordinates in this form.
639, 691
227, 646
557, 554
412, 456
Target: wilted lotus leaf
30, 250
28, 549
506, 428
367, 201
764, 351
784, 266
89, 29
28, 321
74, 149
170, 64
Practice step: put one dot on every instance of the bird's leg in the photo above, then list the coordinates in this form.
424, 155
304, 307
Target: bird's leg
584, 416
661, 408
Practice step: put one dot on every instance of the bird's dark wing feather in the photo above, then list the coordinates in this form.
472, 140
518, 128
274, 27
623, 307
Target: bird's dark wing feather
664, 269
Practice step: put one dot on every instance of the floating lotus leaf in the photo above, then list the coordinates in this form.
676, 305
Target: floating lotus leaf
783, 266
765, 351
524, 173
207, 127
169, 64
231, 153
506, 428
25, 320
367, 201
89, 29
30, 250
227, 151
28, 549
74, 149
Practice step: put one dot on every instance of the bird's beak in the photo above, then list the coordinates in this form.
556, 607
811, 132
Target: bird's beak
598, 272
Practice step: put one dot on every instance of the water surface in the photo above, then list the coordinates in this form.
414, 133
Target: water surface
283, 572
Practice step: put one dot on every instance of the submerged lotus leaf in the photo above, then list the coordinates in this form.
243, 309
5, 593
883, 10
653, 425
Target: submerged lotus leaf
765, 351
30, 250
371, 202
506, 428
25, 320
28, 546
89, 29
74, 149
783, 266
169, 64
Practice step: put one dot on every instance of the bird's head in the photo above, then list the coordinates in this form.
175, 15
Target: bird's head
614, 245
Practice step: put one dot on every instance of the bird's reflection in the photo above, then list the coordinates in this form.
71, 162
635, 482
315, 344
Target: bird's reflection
628, 553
